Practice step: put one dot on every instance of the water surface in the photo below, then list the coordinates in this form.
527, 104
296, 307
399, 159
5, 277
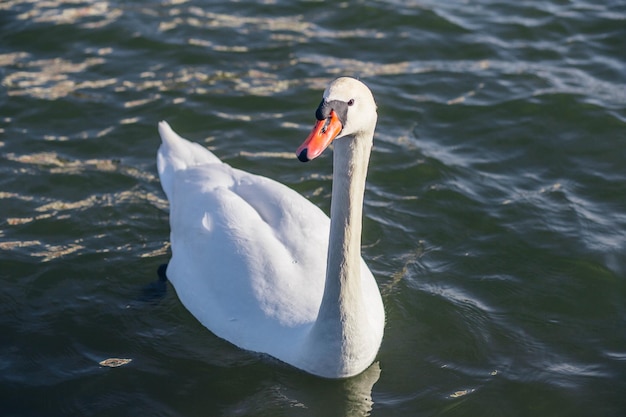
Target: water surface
495, 211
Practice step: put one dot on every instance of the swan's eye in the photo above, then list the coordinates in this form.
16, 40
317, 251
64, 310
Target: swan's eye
351, 102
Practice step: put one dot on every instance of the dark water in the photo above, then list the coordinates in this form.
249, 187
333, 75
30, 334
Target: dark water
495, 208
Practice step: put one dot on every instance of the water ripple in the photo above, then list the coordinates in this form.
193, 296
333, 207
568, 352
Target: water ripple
494, 210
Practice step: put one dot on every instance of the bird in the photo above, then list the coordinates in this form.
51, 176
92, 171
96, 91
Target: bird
262, 267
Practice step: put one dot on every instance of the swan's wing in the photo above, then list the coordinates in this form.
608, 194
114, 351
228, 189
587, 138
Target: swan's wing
248, 253
245, 267
293, 220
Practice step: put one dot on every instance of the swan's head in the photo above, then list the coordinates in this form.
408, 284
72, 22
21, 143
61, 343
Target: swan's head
347, 109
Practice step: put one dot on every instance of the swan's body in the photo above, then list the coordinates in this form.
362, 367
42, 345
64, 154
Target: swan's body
264, 268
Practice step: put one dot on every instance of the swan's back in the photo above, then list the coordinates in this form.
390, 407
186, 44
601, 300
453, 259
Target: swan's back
248, 253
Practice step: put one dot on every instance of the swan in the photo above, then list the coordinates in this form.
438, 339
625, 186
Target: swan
264, 268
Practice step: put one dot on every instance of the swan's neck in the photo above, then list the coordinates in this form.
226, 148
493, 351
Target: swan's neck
343, 271
339, 334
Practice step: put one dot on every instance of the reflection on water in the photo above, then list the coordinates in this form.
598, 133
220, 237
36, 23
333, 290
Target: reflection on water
90, 14
315, 397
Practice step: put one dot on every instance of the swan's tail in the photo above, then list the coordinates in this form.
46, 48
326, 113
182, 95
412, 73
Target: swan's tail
176, 153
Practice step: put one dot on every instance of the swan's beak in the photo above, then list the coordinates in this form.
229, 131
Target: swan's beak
320, 137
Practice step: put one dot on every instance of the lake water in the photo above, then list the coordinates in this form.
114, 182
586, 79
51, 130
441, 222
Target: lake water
495, 211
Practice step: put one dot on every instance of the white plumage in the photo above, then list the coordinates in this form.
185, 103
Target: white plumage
249, 255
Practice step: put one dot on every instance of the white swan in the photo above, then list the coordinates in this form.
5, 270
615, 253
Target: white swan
264, 268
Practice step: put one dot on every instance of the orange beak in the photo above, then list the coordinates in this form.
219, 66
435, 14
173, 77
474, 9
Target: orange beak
320, 137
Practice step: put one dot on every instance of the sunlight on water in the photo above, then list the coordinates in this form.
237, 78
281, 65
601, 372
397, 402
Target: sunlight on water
494, 212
